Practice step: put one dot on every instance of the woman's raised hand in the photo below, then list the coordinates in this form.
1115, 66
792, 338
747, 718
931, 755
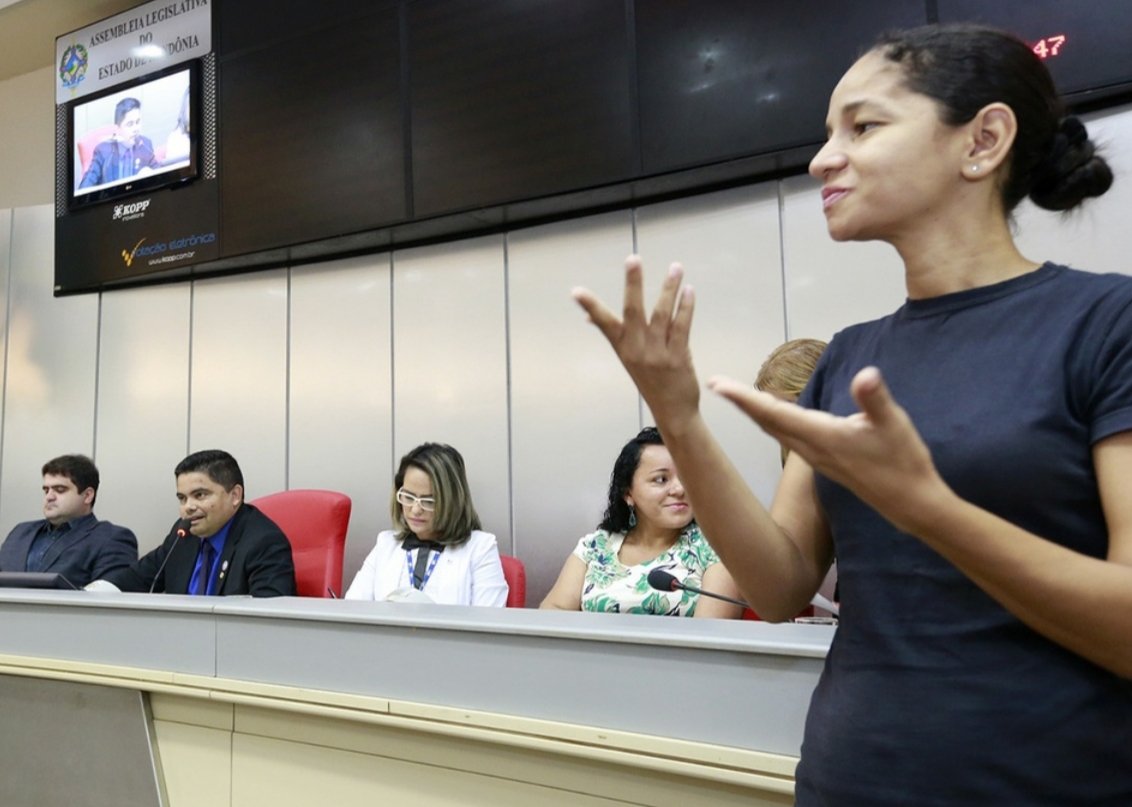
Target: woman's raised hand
653, 348
877, 452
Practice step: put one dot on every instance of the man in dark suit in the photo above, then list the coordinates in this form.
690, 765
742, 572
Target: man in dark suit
69, 539
221, 546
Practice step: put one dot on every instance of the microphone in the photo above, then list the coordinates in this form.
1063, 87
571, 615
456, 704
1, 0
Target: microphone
663, 581
180, 530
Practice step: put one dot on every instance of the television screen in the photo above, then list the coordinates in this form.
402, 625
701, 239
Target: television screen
135, 137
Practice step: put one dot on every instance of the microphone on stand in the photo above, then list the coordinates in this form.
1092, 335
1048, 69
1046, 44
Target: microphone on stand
180, 530
663, 581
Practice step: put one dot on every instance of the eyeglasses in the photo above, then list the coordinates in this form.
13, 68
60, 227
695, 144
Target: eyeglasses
406, 499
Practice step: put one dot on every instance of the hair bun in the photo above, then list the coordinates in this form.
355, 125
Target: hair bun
1070, 134
1071, 171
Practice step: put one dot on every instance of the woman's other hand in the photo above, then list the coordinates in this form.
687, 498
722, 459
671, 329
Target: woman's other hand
877, 452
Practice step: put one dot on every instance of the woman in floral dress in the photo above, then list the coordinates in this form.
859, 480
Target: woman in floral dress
648, 525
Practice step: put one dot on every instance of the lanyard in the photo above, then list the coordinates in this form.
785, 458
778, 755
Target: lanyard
428, 573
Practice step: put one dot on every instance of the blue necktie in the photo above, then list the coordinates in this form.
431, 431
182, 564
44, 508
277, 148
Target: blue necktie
206, 553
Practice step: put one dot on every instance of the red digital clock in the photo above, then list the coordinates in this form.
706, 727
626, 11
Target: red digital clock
1084, 44
1050, 46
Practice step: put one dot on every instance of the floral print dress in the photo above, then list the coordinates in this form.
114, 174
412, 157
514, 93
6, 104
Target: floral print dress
612, 587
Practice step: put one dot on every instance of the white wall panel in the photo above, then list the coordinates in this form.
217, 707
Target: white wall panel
450, 365
1094, 237
729, 245
51, 360
27, 144
143, 407
238, 386
572, 404
341, 421
830, 285
5, 275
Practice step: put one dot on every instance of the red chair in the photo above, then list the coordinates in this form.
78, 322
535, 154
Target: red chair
749, 613
89, 142
315, 522
515, 573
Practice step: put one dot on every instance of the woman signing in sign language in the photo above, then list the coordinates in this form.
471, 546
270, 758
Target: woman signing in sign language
967, 455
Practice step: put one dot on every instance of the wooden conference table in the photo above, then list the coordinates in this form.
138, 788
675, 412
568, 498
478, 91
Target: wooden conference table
140, 699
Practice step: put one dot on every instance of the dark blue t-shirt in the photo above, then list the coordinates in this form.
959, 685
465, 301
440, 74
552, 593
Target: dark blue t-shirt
933, 694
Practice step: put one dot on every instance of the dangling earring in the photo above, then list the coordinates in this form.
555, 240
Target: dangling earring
632, 517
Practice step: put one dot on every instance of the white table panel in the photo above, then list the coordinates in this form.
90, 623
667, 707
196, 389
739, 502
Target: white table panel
597, 670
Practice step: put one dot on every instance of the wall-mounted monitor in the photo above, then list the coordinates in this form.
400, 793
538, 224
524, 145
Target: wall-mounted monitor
135, 137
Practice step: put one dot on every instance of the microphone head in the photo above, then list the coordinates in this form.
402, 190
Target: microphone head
662, 580
181, 528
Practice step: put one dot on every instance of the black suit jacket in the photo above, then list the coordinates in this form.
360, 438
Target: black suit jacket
89, 550
257, 553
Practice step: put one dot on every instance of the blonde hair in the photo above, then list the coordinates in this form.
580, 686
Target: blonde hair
788, 368
455, 516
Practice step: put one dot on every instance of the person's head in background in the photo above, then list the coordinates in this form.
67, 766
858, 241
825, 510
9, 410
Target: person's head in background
70, 486
645, 493
920, 123
787, 370
431, 498
127, 117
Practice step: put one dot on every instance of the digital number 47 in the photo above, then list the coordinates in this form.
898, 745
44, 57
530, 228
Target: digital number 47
1050, 46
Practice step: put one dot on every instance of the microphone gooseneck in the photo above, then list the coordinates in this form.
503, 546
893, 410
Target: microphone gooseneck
180, 530
664, 581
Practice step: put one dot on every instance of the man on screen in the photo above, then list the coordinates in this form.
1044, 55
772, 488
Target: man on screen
69, 539
221, 545
126, 153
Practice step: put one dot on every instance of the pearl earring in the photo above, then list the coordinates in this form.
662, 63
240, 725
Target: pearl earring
974, 169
